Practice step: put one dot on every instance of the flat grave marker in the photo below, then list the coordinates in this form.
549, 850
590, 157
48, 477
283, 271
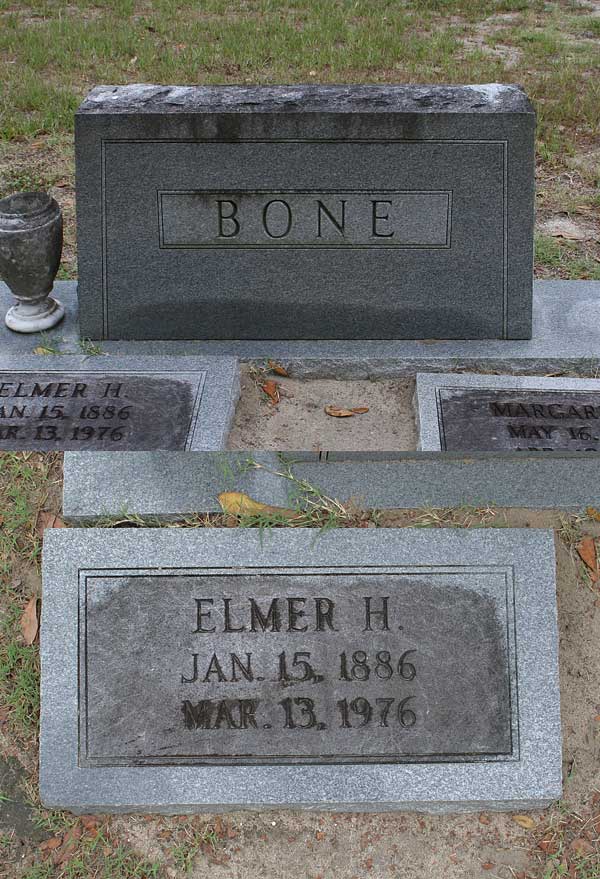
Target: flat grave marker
281, 212
506, 413
111, 403
190, 669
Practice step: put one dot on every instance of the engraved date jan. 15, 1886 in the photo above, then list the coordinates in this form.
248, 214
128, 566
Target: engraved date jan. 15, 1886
301, 712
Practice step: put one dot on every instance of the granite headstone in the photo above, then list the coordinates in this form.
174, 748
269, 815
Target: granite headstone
505, 413
116, 403
305, 212
187, 669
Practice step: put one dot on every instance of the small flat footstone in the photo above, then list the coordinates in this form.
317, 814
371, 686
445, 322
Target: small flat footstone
106, 403
507, 413
202, 669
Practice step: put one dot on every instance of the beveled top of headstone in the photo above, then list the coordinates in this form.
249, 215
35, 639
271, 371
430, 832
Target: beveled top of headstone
147, 98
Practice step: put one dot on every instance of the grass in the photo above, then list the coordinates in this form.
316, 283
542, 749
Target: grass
24, 481
185, 852
565, 258
96, 857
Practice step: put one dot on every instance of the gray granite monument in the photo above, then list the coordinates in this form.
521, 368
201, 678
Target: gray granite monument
506, 413
194, 669
116, 404
305, 212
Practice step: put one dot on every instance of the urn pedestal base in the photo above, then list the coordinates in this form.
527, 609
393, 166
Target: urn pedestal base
34, 317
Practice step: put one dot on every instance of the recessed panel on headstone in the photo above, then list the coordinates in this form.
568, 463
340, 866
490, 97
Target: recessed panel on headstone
284, 663
305, 212
259, 666
116, 403
506, 413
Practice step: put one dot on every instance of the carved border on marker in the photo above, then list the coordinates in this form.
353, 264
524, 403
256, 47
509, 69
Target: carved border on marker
383, 141
506, 571
196, 380
350, 245
471, 389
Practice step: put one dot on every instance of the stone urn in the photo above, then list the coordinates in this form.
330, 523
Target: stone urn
31, 235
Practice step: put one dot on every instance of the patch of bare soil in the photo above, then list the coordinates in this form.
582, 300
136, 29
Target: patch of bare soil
478, 36
592, 7
563, 226
299, 421
587, 161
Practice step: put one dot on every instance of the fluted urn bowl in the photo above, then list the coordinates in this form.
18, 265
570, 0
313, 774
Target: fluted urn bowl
31, 236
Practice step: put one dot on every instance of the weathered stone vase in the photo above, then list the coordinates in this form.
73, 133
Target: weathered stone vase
31, 236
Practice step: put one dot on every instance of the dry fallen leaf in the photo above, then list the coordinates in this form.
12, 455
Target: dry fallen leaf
524, 821
338, 412
237, 503
586, 550
30, 622
565, 227
41, 350
48, 519
593, 513
581, 848
271, 389
277, 368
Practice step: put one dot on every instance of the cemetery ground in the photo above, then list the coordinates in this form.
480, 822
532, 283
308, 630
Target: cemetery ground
51, 54
277, 412
39, 844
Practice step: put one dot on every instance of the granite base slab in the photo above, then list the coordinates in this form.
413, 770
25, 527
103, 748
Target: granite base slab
165, 759
566, 338
111, 403
174, 485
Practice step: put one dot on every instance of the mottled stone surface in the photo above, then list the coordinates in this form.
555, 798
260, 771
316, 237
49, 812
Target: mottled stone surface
279, 212
507, 413
196, 668
566, 338
174, 485
116, 404
144, 98
474, 723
